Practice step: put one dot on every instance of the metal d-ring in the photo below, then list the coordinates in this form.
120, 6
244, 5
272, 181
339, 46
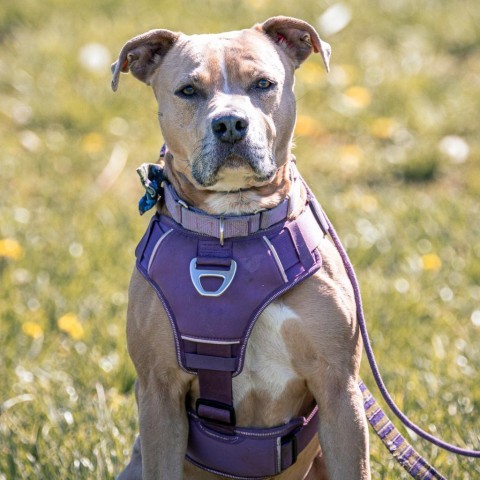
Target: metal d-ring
197, 274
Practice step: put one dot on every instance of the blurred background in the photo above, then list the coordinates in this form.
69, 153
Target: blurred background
388, 141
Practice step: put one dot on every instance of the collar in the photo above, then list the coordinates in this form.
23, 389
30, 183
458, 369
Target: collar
222, 227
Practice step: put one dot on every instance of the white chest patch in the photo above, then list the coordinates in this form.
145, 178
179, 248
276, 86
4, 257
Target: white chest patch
267, 362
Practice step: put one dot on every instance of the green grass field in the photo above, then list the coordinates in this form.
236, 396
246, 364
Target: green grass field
388, 140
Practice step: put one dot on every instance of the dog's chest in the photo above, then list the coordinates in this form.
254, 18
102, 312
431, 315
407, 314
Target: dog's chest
268, 382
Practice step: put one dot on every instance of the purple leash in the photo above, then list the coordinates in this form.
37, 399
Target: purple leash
373, 364
395, 442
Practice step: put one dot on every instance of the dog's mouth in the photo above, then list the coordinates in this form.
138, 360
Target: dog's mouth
238, 167
235, 162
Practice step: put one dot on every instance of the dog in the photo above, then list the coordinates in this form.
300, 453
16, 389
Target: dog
227, 110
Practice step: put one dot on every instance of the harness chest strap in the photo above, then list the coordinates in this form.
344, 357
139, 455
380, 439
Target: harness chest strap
211, 330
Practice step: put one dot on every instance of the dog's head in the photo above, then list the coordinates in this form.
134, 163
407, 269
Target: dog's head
226, 103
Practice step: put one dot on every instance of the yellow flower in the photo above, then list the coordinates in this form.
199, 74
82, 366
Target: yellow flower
431, 262
10, 248
307, 126
92, 143
351, 151
311, 73
32, 329
358, 97
383, 127
350, 157
70, 324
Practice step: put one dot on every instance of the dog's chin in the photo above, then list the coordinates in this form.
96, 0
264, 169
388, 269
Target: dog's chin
238, 179
236, 173
235, 162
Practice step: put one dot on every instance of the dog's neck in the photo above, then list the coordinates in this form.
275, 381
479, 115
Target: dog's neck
240, 202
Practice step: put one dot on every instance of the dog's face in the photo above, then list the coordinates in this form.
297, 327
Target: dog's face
226, 108
225, 102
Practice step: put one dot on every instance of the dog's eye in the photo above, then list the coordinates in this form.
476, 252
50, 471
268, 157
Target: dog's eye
187, 91
263, 84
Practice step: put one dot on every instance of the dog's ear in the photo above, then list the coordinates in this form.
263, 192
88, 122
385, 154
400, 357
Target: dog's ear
298, 39
142, 55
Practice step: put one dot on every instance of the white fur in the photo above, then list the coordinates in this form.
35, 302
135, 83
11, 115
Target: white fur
223, 68
268, 366
233, 178
240, 203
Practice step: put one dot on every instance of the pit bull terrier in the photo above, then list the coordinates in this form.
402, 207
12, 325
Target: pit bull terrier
226, 109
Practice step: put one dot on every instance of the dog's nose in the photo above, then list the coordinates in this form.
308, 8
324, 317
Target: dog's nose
230, 128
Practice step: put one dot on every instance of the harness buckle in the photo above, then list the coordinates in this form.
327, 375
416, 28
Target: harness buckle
292, 439
222, 407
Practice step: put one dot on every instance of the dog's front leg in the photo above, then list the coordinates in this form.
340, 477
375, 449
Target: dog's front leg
161, 386
343, 430
163, 429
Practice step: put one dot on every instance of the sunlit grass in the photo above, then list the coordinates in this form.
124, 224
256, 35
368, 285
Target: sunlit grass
388, 141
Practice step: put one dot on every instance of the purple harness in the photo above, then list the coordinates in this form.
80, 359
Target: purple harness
215, 276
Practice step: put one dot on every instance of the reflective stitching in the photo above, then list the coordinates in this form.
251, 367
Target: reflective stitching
276, 258
279, 454
214, 342
155, 248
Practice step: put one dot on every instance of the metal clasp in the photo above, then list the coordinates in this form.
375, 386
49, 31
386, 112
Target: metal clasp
197, 274
282, 442
182, 203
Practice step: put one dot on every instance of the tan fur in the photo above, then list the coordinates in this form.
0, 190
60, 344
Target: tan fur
305, 346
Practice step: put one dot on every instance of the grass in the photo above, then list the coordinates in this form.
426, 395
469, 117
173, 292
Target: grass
389, 142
